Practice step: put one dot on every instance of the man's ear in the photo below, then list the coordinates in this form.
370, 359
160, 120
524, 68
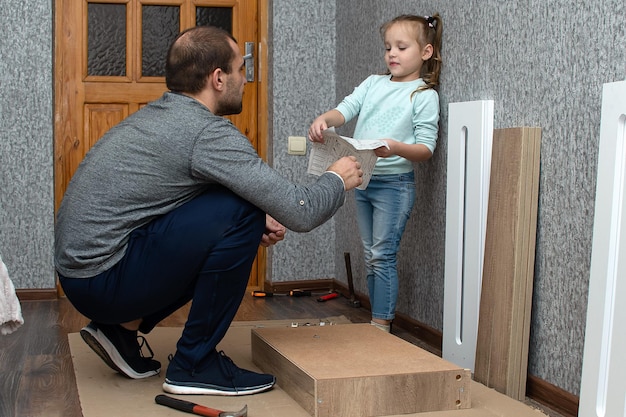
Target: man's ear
427, 53
216, 78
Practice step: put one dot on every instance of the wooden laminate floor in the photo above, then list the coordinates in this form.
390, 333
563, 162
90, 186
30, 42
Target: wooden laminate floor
36, 371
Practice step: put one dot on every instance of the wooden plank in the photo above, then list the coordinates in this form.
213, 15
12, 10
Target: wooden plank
506, 298
337, 371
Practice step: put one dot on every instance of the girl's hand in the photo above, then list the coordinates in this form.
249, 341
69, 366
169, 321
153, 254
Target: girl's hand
315, 131
383, 151
416, 152
332, 118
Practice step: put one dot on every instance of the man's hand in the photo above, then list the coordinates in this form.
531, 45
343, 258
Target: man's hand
349, 169
274, 232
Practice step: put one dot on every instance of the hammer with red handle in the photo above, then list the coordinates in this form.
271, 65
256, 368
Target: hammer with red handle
198, 409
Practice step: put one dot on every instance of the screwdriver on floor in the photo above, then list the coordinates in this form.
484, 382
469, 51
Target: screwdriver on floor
292, 293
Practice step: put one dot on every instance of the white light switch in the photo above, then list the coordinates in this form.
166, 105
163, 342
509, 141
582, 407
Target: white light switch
296, 145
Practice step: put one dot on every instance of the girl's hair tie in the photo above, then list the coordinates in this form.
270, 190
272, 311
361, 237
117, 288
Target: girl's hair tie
430, 20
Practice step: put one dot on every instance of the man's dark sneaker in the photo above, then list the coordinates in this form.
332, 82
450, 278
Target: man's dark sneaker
121, 350
223, 377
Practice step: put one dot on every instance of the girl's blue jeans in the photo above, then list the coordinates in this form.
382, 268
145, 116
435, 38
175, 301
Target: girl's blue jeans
383, 210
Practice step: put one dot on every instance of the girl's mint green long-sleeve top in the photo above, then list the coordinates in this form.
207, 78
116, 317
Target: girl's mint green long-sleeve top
389, 110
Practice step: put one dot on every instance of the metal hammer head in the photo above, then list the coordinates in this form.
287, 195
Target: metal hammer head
241, 413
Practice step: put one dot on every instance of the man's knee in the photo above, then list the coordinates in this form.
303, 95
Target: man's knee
207, 220
223, 212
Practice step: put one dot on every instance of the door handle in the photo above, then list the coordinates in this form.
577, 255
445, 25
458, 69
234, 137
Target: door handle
249, 61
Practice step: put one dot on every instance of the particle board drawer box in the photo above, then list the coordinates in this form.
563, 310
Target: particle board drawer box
356, 370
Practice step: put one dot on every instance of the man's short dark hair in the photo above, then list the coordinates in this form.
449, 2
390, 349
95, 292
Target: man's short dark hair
196, 53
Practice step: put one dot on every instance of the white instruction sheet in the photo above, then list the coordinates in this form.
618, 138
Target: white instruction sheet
335, 147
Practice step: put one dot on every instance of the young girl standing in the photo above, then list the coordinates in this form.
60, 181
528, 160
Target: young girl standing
402, 108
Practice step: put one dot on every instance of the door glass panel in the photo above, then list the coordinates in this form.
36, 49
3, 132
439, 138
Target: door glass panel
106, 39
160, 25
221, 17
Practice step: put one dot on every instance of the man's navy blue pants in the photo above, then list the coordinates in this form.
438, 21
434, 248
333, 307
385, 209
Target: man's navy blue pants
202, 252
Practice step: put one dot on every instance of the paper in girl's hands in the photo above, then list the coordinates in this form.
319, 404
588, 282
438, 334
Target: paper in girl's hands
335, 147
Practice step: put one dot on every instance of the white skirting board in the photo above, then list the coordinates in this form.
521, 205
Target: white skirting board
470, 138
603, 386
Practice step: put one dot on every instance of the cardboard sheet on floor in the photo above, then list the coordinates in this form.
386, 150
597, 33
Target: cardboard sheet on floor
105, 393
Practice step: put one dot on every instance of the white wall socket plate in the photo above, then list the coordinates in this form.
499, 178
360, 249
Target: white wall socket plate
296, 145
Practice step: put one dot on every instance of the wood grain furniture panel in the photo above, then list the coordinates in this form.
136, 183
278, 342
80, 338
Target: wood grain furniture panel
506, 298
356, 370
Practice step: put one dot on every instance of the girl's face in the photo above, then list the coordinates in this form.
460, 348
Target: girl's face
403, 54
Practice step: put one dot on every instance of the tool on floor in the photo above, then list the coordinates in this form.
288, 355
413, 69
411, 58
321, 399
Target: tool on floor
300, 293
198, 409
351, 298
328, 297
292, 293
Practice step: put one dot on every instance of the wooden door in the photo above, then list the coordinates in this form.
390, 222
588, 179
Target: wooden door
109, 62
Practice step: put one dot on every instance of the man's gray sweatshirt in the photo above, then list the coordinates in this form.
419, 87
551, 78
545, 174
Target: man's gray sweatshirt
157, 159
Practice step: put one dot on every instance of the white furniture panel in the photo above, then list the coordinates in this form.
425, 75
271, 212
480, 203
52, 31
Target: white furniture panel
470, 137
603, 386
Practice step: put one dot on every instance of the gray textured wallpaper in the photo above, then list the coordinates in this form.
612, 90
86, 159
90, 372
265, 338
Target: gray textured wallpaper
303, 78
26, 181
543, 62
